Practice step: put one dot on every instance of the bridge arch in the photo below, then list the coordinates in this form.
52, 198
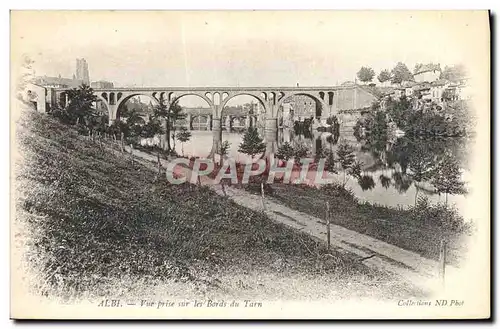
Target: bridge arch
176, 98
122, 100
232, 96
321, 104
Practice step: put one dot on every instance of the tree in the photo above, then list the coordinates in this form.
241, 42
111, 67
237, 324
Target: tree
421, 165
300, 151
252, 143
385, 181
162, 112
384, 76
285, 152
401, 73
80, 107
454, 73
366, 182
175, 114
152, 128
183, 136
447, 178
366, 74
26, 76
417, 68
330, 162
224, 150
347, 159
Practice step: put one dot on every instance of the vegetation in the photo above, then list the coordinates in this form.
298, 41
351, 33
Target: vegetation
347, 160
80, 108
447, 177
384, 76
25, 76
419, 228
454, 73
252, 143
365, 74
224, 150
401, 73
183, 136
96, 223
285, 151
417, 119
169, 114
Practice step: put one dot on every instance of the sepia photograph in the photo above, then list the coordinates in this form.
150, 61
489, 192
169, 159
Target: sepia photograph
250, 164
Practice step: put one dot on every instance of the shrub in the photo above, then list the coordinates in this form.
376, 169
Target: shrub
337, 190
441, 215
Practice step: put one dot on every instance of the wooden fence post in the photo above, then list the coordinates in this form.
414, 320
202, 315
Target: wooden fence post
159, 163
262, 195
122, 135
328, 223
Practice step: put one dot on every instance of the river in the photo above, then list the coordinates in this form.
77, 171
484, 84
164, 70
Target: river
388, 163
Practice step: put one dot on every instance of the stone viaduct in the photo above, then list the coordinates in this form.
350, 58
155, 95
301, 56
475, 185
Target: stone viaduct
328, 99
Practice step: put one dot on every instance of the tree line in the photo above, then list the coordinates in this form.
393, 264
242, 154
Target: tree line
400, 72
130, 127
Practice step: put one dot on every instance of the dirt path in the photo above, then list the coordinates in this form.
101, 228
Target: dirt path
372, 252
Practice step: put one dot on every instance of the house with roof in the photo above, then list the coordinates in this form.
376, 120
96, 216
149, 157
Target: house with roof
437, 89
408, 88
427, 72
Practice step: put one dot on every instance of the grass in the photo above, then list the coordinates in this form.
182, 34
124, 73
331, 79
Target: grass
419, 229
98, 223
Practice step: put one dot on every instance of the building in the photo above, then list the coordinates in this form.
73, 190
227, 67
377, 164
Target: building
101, 84
82, 70
37, 96
408, 88
427, 73
57, 82
81, 77
437, 89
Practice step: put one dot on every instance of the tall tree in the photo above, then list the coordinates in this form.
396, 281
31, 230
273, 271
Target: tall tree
447, 178
421, 166
162, 112
401, 73
224, 150
176, 114
252, 143
81, 104
347, 159
365, 74
384, 76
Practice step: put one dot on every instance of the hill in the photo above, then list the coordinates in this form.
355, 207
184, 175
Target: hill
98, 224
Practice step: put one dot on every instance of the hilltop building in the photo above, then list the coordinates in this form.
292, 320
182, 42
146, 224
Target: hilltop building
82, 71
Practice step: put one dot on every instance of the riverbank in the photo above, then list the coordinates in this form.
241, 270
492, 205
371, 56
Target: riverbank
95, 223
419, 229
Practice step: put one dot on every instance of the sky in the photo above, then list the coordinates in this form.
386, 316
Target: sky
230, 48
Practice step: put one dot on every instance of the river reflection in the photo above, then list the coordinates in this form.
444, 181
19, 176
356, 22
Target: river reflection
386, 165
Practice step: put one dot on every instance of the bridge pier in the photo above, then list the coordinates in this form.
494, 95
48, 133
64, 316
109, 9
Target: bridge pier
271, 136
217, 137
112, 113
189, 122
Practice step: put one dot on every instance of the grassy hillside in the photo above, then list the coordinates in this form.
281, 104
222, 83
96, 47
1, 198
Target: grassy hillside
99, 224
